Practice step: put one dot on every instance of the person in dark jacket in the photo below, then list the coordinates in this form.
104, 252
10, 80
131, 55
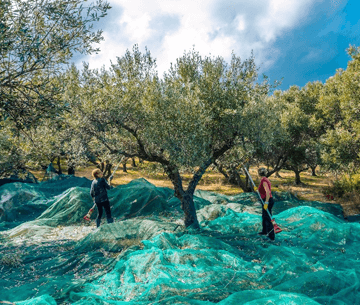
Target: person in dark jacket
265, 193
98, 192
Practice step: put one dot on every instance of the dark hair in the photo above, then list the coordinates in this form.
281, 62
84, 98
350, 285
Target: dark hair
262, 171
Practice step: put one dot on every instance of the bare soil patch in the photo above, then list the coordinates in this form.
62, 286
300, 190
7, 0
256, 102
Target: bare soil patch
311, 188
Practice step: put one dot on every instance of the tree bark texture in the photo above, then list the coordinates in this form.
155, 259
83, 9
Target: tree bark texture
107, 172
71, 170
297, 177
188, 206
59, 166
235, 179
186, 198
313, 173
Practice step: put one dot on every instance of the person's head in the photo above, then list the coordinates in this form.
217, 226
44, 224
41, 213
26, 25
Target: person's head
97, 173
262, 171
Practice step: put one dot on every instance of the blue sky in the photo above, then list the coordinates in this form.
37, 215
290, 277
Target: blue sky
297, 40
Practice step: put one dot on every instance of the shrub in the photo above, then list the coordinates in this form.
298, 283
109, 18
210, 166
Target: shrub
343, 187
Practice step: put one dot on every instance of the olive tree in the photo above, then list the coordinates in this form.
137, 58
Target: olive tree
260, 131
280, 133
37, 40
37, 37
185, 120
339, 112
11, 158
293, 145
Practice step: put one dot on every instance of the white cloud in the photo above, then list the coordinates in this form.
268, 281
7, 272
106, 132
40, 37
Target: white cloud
110, 49
240, 21
281, 15
214, 26
137, 26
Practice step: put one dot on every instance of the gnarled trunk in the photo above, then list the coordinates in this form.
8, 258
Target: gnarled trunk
297, 177
71, 170
188, 206
59, 166
186, 197
297, 170
313, 173
234, 178
124, 165
107, 172
105, 167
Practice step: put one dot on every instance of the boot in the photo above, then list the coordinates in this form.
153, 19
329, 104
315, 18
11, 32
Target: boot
98, 222
110, 220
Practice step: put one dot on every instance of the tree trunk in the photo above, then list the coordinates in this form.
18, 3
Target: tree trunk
313, 173
186, 198
107, 171
59, 166
249, 185
281, 163
188, 206
101, 166
297, 177
235, 179
124, 165
71, 170
133, 162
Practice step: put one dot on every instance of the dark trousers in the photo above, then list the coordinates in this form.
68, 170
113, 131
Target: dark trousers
267, 225
106, 206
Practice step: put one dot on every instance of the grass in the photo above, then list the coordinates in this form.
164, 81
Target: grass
311, 188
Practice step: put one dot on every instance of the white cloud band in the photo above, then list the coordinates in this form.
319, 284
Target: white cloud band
169, 27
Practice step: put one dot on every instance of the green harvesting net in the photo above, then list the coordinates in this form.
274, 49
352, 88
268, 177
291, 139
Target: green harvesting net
51, 255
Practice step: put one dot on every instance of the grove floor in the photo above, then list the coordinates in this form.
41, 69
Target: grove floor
310, 189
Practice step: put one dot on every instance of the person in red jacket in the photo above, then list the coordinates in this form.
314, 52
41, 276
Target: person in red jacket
265, 193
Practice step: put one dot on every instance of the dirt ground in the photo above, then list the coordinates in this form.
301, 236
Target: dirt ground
311, 188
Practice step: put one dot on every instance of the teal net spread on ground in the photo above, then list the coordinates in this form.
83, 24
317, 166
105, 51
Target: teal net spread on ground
50, 255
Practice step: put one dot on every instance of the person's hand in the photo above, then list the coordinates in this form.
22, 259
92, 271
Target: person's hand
266, 205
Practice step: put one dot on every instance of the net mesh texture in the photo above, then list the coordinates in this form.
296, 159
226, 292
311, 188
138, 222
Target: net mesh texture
51, 255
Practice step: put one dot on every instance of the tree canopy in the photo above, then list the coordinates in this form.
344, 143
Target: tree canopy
203, 111
186, 120
37, 37
339, 114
